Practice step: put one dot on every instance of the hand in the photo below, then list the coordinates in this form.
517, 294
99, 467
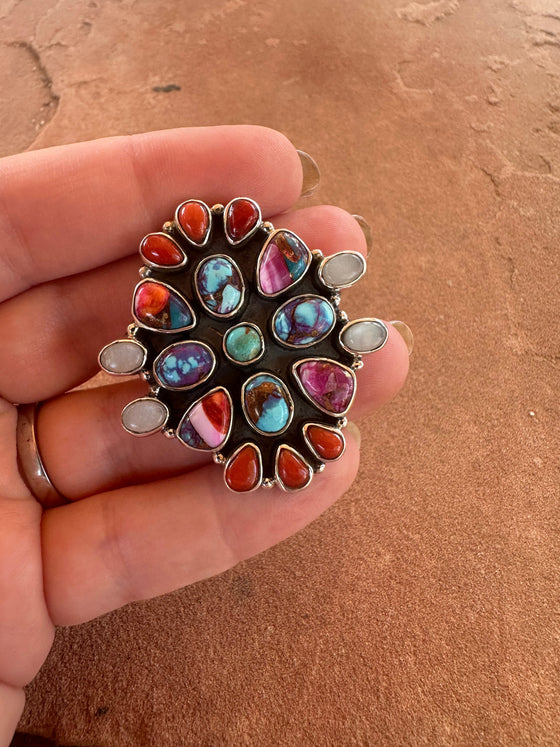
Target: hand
147, 516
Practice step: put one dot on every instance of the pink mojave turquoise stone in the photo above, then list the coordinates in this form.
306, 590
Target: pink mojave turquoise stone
328, 384
283, 262
207, 423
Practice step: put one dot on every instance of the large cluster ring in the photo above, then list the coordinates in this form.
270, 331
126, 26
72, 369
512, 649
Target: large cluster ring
238, 330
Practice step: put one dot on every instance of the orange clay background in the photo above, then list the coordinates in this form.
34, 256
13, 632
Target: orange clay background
424, 607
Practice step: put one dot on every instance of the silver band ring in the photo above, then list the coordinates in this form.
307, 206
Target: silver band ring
30, 464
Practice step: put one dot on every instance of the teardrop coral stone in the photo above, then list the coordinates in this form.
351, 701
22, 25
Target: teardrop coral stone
194, 219
292, 471
243, 473
160, 250
241, 218
328, 444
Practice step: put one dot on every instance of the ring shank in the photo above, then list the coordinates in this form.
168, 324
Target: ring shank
30, 464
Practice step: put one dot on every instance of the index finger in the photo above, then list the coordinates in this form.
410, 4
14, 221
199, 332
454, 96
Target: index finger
71, 208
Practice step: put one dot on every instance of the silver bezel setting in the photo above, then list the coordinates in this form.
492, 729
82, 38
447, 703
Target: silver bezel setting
154, 430
292, 300
270, 240
310, 446
278, 479
187, 412
131, 341
252, 232
325, 260
157, 266
308, 396
197, 244
289, 401
166, 350
358, 353
232, 457
230, 330
158, 329
198, 295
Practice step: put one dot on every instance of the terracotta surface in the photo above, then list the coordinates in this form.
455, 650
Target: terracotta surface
424, 607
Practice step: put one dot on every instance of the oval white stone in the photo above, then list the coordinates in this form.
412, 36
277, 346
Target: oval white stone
122, 357
143, 416
364, 335
343, 269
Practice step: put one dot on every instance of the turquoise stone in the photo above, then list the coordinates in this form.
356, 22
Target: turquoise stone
184, 365
243, 343
303, 320
219, 286
267, 403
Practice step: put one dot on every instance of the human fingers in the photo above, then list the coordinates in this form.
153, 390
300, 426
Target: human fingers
52, 333
71, 208
140, 542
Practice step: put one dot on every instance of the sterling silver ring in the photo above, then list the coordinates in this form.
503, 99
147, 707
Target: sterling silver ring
238, 330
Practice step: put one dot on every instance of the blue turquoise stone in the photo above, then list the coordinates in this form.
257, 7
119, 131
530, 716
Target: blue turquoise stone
267, 403
304, 320
219, 285
243, 343
183, 365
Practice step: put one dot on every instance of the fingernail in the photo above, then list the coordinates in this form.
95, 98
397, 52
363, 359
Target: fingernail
311, 174
366, 228
406, 333
355, 431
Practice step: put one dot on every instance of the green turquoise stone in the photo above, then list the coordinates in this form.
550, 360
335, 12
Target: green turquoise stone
243, 343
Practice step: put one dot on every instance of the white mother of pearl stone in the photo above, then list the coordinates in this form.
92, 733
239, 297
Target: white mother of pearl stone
144, 416
364, 335
122, 357
342, 270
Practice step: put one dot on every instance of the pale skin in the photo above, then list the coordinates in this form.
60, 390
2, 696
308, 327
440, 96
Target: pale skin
146, 515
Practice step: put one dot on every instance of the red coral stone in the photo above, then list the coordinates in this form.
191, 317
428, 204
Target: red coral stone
293, 472
242, 217
160, 250
194, 220
243, 473
328, 444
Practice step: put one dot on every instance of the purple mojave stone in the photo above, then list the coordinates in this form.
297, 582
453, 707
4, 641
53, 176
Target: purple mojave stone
329, 385
284, 260
183, 365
